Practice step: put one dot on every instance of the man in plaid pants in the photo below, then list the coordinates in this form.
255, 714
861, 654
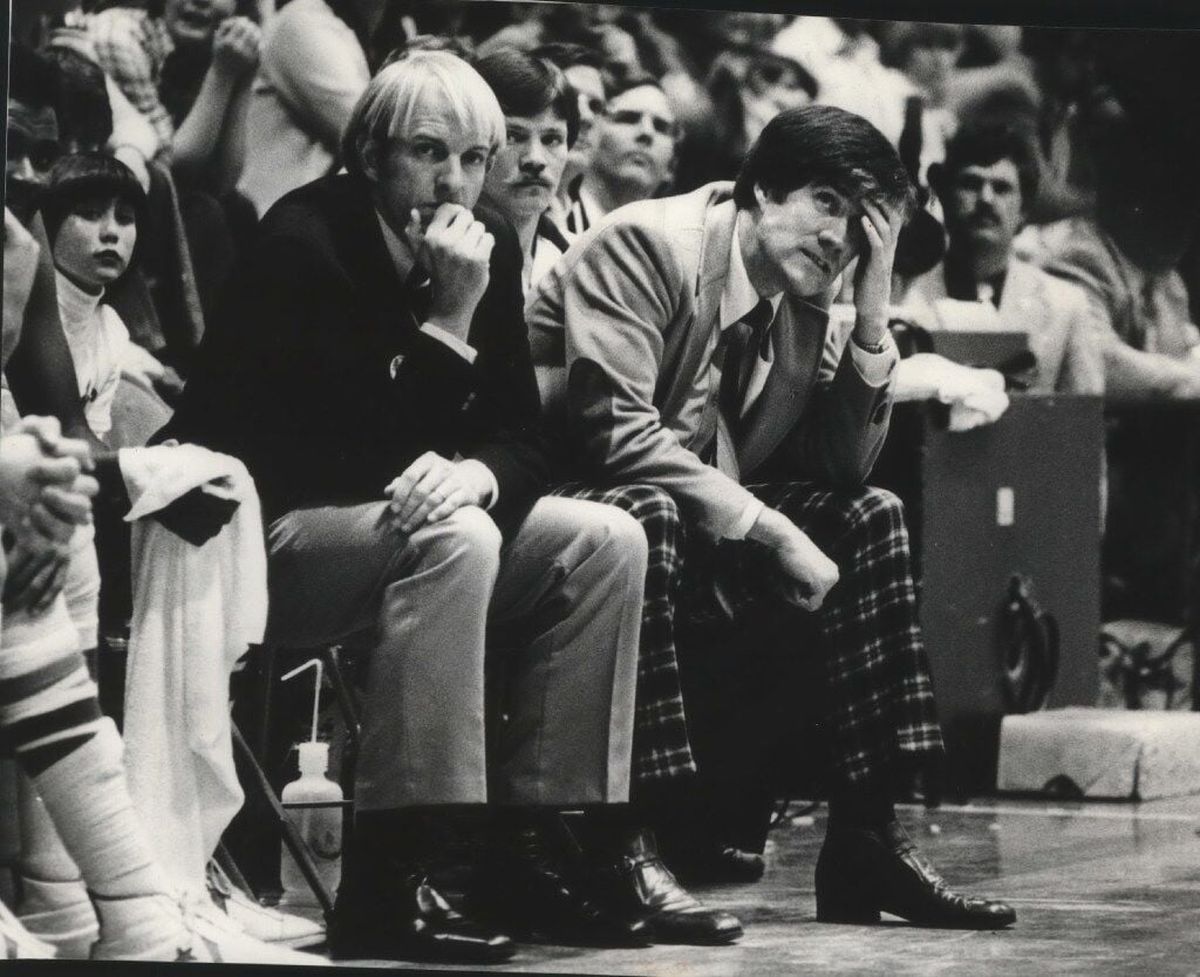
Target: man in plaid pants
689, 338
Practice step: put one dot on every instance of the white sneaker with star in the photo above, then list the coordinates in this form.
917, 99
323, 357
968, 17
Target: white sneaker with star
182, 930
259, 921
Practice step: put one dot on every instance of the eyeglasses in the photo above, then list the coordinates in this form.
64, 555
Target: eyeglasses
42, 153
628, 117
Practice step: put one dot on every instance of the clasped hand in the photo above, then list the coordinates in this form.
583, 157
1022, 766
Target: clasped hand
433, 487
45, 496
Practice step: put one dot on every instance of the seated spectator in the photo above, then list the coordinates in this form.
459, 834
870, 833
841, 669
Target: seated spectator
214, 50
581, 65
540, 113
986, 186
92, 207
313, 69
186, 66
395, 446
634, 157
39, 378
747, 87
1126, 260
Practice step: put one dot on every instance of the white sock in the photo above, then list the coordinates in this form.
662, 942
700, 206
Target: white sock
86, 796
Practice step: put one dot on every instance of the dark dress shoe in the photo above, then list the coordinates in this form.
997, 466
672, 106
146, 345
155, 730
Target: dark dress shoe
640, 885
717, 865
862, 871
532, 884
412, 922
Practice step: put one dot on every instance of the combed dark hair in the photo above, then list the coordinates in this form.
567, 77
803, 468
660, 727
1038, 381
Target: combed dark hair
983, 145
567, 55
619, 86
526, 86
821, 144
76, 177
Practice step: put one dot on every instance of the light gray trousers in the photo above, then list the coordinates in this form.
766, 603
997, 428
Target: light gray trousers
568, 586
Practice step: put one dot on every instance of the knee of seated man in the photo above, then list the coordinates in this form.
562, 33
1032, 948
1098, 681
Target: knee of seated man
616, 533
875, 506
472, 533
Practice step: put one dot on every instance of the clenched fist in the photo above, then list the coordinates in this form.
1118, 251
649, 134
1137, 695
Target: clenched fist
236, 44
807, 574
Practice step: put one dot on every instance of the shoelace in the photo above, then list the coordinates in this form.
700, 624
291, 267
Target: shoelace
187, 919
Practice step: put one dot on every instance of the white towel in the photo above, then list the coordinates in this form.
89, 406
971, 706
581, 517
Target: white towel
195, 611
975, 396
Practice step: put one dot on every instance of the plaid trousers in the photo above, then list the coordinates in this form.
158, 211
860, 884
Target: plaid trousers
878, 696
661, 748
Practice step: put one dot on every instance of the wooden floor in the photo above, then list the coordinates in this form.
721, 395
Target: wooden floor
1099, 889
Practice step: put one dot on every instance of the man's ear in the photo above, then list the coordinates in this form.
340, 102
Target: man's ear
369, 154
760, 196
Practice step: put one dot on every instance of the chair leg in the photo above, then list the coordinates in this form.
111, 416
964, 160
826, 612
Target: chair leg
291, 837
230, 868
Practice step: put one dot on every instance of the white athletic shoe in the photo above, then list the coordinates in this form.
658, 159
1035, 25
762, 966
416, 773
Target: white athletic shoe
17, 943
259, 921
60, 914
183, 930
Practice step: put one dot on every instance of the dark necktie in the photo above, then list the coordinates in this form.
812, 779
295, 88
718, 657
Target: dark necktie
746, 341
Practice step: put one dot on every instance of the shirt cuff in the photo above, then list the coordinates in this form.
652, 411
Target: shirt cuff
746, 520
493, 491
465, 350
874, 368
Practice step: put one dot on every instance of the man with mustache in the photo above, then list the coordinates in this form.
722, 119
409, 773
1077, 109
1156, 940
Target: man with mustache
987, 184
689, 339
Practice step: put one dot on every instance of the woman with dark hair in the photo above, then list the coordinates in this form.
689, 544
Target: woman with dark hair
91, 208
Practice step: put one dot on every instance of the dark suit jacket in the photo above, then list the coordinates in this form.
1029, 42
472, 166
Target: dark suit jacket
318, 377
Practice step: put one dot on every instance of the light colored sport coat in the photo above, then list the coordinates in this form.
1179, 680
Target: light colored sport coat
623, 332
1055, 315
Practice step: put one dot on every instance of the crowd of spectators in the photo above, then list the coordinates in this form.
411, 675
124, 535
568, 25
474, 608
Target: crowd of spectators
146, 141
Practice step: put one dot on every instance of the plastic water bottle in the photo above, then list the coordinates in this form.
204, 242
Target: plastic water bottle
320, 828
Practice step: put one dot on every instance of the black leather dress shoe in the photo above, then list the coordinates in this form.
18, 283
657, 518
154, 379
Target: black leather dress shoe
717, 865
862, 871
411, 922
532, 884
640, 885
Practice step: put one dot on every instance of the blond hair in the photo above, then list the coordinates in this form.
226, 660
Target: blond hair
386, 108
